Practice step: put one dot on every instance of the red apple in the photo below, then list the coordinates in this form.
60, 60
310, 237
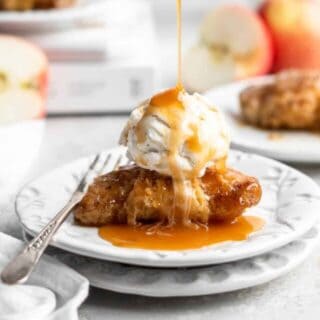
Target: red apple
234, 44
295, 29
23, 80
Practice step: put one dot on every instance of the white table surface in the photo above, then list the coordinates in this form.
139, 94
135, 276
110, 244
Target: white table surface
294, 296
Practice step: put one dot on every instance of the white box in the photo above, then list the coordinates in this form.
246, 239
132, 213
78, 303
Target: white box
97, 87
116, 80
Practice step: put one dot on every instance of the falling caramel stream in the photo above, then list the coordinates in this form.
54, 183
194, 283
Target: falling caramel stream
170, 107
179, 37
168, 104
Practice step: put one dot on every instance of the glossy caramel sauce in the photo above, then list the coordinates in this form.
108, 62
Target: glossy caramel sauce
179, 237
171, 108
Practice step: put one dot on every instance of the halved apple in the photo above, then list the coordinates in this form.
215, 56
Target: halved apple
234, 44
23, 80
295, 29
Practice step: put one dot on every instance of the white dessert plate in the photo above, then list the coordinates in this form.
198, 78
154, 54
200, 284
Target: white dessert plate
155, 282
290, 146
290, 206
33, 19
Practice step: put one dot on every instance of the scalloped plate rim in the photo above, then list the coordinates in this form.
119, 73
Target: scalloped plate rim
154, 257
96, 271
191, 292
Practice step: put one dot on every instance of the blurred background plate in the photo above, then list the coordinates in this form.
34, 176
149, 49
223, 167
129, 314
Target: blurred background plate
289, 146
46, 19
20, 143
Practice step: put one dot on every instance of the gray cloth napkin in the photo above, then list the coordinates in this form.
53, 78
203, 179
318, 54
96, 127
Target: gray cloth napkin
53, 292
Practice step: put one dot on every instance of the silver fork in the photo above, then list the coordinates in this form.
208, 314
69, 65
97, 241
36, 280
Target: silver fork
20, 268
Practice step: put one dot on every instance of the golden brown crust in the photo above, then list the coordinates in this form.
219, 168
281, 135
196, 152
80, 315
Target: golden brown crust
135, 195
49, 4
21, 5
292, 101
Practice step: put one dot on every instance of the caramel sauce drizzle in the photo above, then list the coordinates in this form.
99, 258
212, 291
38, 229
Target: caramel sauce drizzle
179, 37
169, 107
180, 233
181, 186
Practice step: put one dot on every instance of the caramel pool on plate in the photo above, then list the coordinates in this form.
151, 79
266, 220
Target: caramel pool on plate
179, 237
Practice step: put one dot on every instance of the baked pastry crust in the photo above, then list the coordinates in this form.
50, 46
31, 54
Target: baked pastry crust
22, 5
135, 195
292, 101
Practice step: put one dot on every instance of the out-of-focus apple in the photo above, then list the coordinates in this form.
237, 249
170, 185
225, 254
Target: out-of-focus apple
23, 80
295, 29
234, 44
23, 86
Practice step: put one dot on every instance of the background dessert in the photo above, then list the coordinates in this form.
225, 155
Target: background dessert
22, 5
290, 101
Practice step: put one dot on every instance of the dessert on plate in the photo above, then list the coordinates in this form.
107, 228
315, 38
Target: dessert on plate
290, 101
22, 5
179, 144
178, 190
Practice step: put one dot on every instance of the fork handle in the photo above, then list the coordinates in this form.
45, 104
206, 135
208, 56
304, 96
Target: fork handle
19, 268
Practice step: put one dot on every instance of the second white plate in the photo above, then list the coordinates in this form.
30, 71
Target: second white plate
290, 206
290, 146
186, 282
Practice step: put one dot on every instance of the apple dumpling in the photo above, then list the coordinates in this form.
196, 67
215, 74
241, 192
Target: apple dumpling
290, 101
22, 5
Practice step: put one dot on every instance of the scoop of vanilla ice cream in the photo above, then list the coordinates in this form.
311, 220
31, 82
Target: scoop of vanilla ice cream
200, 121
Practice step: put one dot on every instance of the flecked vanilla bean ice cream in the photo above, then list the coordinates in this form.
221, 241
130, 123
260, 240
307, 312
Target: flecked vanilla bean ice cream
176, 134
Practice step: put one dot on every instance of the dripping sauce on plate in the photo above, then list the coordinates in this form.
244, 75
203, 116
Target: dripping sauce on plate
179, 237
